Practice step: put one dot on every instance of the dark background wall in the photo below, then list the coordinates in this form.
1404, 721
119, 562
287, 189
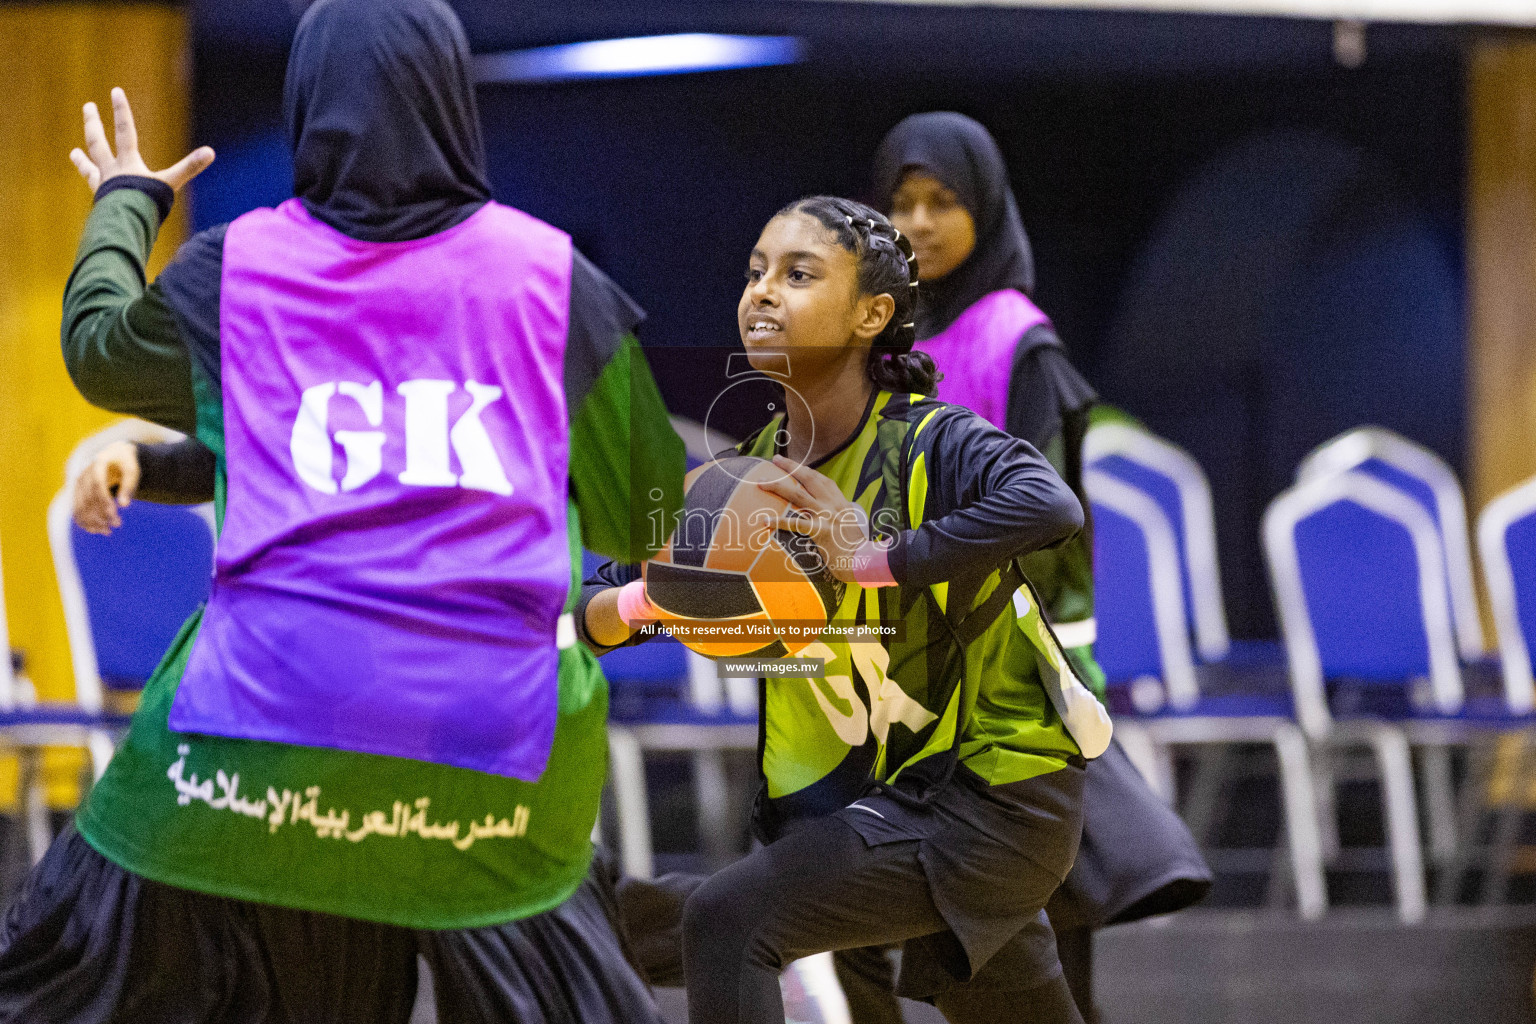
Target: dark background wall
1242, 243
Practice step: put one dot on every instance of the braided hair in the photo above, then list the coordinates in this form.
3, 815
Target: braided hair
886, 266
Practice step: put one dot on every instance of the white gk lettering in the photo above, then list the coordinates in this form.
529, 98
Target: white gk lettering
428, 437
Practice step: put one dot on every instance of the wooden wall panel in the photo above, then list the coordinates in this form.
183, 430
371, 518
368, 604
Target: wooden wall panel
1501, 261
53, 58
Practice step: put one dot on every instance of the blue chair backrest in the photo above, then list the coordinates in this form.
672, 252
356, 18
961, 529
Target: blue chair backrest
141, 584
1127, 646
1431, 482
1506, 535
1360, 575
656, 665
1520, 541
1406, 482
1161, 489
1169, 477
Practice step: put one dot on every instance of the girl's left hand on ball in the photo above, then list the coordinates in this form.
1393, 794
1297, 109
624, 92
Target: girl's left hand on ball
819, 510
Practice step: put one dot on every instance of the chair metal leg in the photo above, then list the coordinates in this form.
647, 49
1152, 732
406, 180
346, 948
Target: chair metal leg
818, 980
1151, 759
102, 748
34, 801
1211, 773
1439, 803
1281, 883
1481, 759
1396, 768
627, 776
1510, 817
712, 791
1301, 822
1325, 786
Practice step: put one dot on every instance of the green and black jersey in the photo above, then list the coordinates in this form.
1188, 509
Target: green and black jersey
153, 351
958, 500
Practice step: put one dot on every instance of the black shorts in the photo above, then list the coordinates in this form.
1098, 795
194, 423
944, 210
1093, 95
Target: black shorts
87, 942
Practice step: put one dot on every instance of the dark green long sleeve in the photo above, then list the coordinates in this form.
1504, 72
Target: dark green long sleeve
121, 343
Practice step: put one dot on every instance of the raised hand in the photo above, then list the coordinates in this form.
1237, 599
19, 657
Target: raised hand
96, 163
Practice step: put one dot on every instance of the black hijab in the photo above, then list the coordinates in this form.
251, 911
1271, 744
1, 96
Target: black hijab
382, 120
959, 152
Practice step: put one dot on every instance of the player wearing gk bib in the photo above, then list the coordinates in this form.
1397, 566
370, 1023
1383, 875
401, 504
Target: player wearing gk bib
927, 790
943, 180
379, 739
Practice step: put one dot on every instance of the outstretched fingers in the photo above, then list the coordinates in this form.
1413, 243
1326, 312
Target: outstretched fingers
122, 123
89, 171
96, 137
187, 168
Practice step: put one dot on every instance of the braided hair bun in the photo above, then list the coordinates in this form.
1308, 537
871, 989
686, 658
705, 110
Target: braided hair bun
887, 266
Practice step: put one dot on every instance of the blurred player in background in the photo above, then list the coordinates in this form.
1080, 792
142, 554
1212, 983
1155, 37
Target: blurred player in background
942, 178
379, 739
932, 795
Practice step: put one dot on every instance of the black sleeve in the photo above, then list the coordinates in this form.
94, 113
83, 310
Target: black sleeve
990, 498
601, 315
163, 195
1044, 388
190, 286
606, 577
180, 473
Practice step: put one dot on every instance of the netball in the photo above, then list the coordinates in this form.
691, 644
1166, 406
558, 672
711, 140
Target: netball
730, 583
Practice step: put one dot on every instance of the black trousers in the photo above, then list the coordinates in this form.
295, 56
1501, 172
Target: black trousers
823, 887
868, 979
88, 943
1137, 859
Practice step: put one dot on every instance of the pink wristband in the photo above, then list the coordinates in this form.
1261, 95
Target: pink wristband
635, 609
871, 566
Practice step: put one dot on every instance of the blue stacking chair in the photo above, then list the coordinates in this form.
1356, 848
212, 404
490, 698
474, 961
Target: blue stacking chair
1420, 473
126, 596
27, 727
1144, 649
1360, 584
1171, 476
1430, 480
664, 697
659, 705
1506, 540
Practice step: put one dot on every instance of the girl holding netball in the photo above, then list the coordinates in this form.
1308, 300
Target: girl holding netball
943, 180
936, 801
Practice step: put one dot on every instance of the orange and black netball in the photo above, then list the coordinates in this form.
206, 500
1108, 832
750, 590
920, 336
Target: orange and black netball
732, 582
